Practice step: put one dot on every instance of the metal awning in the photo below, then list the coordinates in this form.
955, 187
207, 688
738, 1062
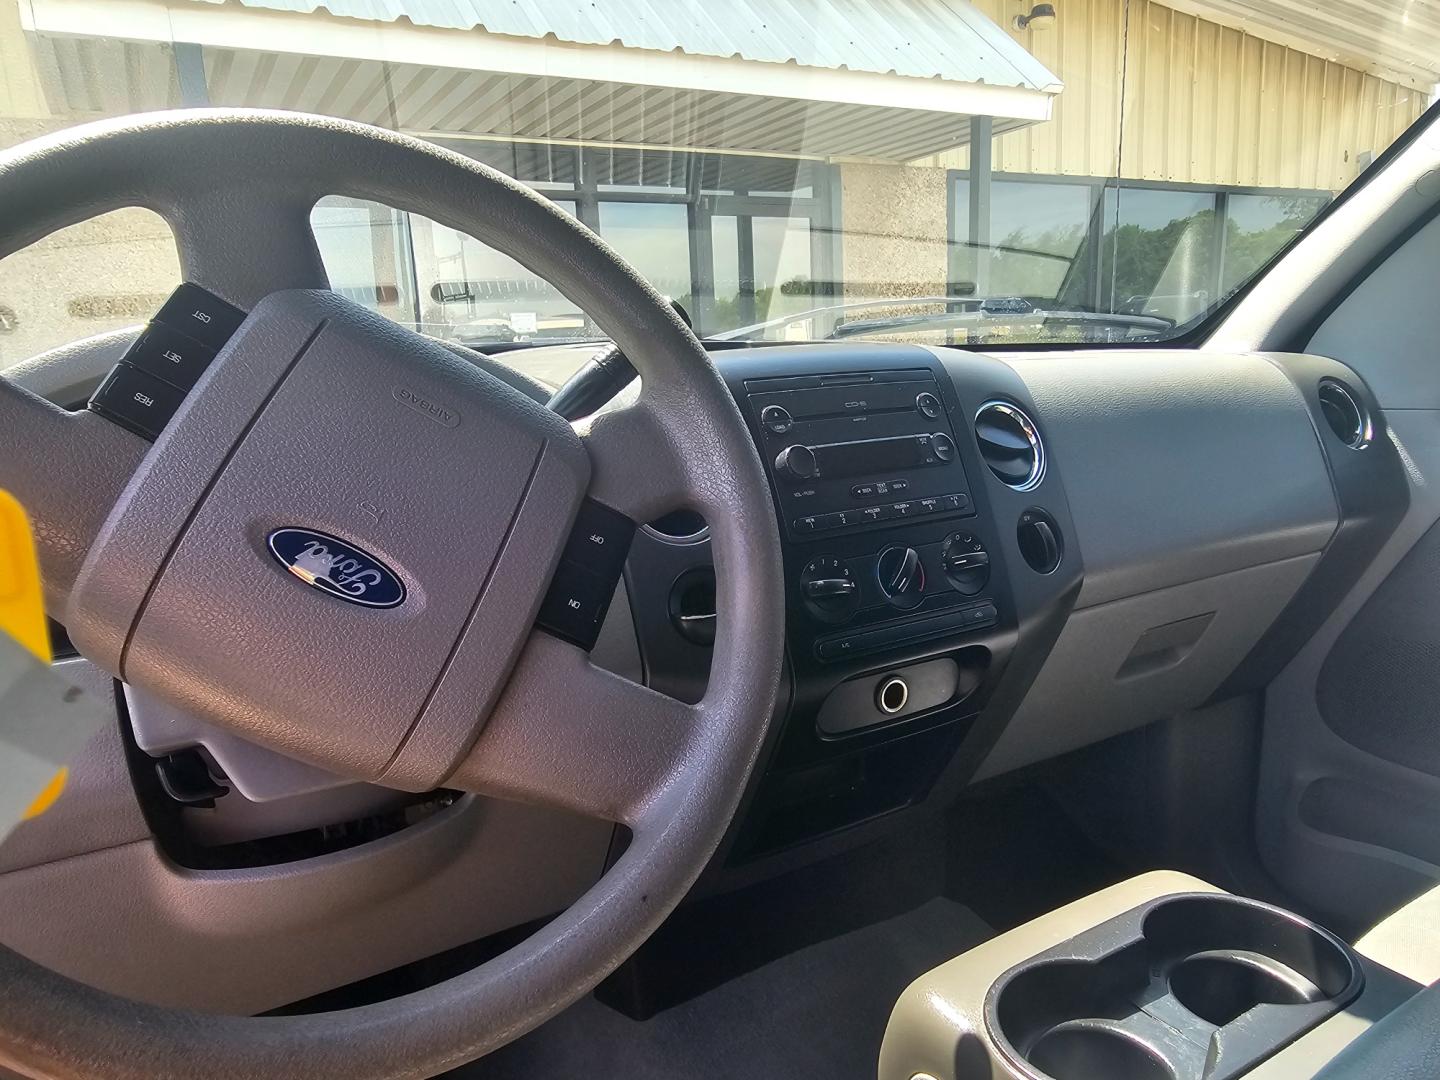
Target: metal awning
891, 80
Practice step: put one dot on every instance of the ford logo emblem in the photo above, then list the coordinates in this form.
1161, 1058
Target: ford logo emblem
331, 565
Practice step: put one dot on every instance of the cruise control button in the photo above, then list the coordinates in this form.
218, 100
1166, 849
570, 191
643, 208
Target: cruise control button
575, 605
136, 400
599, 539
170, 355
202, 315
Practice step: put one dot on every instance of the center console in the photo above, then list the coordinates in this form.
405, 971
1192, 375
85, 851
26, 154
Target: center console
1162, 977
926, 544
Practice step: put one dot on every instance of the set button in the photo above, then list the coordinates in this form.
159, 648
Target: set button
168, 354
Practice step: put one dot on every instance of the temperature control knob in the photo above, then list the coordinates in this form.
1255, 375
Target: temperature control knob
966, 563
901, 576
797, 462
829, 590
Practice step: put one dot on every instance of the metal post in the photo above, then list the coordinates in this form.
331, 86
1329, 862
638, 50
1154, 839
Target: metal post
981, 167
190, 73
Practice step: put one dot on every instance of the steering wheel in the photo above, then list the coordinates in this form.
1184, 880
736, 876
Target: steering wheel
154, 558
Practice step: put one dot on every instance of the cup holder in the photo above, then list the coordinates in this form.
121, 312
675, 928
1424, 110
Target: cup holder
1146, 995
1085, 1050
1221, 986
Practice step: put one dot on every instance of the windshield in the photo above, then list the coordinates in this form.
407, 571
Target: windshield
917, 170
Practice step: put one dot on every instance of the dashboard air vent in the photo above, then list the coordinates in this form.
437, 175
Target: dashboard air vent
1010, 445
1344, 413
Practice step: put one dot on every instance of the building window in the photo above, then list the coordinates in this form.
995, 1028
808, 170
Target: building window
735, 239
1130, 247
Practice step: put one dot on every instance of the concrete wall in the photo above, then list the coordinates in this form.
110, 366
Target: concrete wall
894, 228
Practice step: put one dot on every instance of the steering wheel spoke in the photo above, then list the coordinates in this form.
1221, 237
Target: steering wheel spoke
243, 243
566, 733
67, 469
635, 462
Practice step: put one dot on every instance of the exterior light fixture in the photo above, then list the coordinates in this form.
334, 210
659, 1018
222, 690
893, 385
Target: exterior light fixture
1041, 17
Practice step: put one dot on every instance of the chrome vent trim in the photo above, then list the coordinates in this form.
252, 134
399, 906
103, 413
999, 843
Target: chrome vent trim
1345, 414
1010, 444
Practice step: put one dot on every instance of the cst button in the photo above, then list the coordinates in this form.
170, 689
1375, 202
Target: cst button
201, 315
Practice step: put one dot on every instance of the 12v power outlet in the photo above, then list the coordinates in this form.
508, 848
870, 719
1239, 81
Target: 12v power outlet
892, 694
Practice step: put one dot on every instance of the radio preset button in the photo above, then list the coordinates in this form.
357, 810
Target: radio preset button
902, 509
807, 524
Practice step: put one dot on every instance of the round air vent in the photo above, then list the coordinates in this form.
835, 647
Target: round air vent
1010, 445
1344, 413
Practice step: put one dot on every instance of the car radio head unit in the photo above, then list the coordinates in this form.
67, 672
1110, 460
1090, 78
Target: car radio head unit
849, 450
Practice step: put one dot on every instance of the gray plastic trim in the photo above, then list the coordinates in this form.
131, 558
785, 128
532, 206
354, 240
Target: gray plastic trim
1180, 465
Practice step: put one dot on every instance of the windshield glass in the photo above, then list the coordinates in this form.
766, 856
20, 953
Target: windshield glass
944, 171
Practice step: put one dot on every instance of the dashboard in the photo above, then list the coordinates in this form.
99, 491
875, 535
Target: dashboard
992, 561
989, 561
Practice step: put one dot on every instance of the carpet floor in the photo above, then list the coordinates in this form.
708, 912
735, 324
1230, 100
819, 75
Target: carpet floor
816, 1013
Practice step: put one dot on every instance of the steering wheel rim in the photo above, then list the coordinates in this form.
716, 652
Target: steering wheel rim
237, 187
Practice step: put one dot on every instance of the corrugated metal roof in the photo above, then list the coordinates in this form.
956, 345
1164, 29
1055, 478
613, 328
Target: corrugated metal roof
939, 39
85, 74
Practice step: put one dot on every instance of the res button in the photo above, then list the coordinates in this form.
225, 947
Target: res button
136, 400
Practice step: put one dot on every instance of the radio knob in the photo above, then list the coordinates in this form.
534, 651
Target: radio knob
829, 590
901, 576
798, 463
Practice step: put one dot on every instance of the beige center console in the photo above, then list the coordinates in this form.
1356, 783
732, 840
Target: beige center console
1162, 977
